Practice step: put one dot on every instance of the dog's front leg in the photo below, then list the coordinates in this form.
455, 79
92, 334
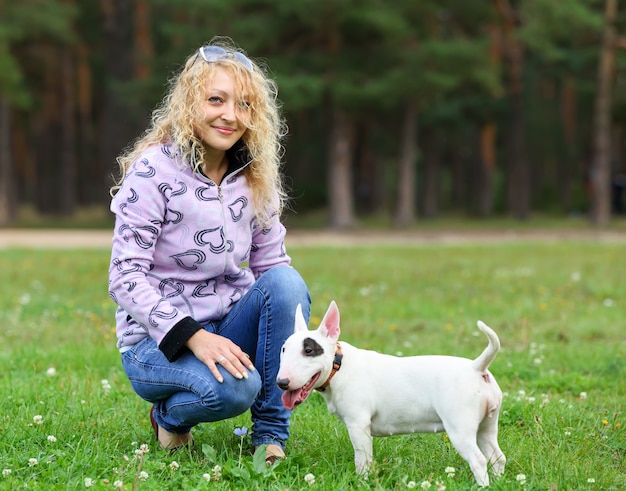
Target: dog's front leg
361, 438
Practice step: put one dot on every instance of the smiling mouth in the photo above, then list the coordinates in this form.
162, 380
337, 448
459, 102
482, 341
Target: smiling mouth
223, 130
291, 398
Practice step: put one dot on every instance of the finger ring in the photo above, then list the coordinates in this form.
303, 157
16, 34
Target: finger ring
221, 360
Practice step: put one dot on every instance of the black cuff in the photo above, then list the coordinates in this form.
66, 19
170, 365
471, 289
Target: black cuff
173, 344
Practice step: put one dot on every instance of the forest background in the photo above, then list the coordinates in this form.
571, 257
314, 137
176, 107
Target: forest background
402, 110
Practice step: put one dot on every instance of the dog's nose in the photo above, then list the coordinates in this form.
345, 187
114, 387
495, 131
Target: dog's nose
283, 383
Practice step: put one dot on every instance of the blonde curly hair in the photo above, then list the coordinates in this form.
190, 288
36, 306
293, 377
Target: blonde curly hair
174, 120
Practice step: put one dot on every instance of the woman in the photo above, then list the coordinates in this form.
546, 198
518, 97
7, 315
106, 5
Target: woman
205, 291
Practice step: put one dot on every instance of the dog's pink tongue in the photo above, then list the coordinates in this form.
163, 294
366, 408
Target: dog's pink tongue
291, 398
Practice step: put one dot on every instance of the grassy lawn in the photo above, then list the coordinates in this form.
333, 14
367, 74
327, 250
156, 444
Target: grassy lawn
68, 417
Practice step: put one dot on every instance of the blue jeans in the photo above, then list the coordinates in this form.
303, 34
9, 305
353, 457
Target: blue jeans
185, 392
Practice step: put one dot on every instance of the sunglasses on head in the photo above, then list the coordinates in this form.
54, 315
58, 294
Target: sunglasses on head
212, 54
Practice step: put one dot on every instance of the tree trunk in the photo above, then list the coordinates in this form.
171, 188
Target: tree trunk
117, 128
90, 190
405, 205
569, 167
518, 178
47, 131
430, 178
600, 172
341, 202
8, 206
68, 186
370, 178
458, 171
144, 46
487, 167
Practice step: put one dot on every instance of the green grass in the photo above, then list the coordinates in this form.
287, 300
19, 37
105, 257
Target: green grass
558, 308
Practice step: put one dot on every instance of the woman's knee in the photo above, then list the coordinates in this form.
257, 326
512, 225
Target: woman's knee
288, 283
242, 394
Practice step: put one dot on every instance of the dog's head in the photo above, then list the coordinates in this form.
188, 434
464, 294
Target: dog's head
307, 357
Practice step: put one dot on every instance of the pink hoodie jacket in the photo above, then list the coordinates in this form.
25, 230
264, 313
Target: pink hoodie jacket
185, 249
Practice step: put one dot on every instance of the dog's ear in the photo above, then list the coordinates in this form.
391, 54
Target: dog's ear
330, 323
300, 323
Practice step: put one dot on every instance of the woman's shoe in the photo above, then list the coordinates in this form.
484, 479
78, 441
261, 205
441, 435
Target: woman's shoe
273, 453
169, 441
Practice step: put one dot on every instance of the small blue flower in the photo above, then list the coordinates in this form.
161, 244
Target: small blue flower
243, 431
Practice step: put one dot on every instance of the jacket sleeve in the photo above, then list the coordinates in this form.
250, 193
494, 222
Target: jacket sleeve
268, 247
139, 208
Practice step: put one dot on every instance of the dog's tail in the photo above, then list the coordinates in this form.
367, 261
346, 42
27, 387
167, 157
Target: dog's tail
489, 354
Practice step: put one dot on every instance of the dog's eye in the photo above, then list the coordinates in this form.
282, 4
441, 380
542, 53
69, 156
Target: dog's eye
308, 351
283, 350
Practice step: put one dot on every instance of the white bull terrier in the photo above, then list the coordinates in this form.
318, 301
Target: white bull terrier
379, 395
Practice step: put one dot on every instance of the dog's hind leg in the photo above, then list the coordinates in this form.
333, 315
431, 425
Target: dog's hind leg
361, 438
465, 443
487, 439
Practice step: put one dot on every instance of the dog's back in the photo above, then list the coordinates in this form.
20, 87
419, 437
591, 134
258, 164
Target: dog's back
392, 389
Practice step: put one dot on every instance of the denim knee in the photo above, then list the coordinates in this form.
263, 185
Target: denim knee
288, 282
244, 394
218, 401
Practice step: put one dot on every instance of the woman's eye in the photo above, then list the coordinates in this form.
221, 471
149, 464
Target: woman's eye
215, 100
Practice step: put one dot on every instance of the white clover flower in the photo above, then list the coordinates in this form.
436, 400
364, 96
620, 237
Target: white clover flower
6, 472
142, 450
309, 479
174, 465
582, 396
521, 478
118, 484
217, 472
575, 276
52, 438
89, 482
608, 302
425, 485
38, 419
32, 462
143, 476
440, 486
591, 480
450, 471
106, 386
411, 484
206, 476
51, 372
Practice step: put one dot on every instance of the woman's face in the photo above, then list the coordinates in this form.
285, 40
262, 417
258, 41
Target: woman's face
223, 121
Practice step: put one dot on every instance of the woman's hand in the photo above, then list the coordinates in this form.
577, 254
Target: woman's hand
213, 349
